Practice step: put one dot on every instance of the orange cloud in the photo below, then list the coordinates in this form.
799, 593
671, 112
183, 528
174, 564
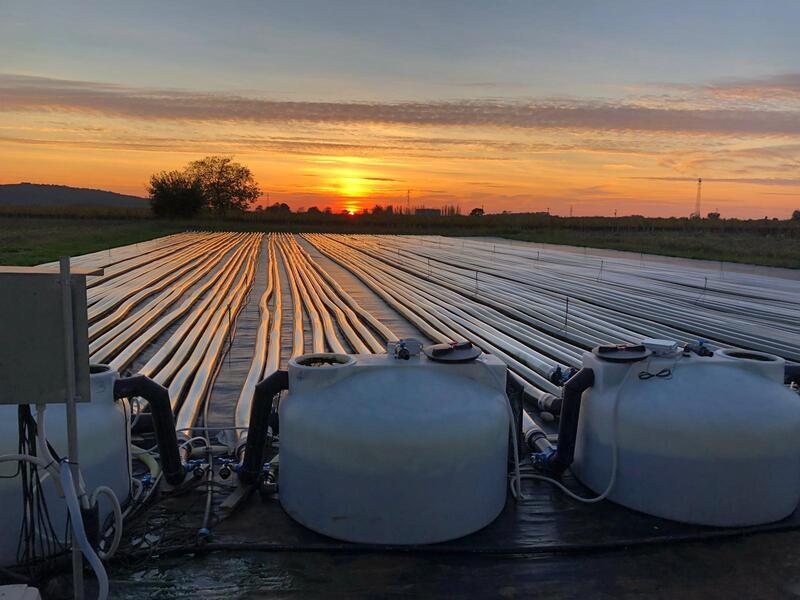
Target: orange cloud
516, 156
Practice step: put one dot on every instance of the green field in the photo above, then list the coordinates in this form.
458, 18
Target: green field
44, 235
28, 241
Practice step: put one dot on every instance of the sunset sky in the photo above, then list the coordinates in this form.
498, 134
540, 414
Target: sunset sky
601, 106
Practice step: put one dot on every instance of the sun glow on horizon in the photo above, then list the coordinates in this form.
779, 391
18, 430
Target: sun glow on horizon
585, 172
352, 187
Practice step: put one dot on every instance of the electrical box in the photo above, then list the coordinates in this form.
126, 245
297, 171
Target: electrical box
33, 334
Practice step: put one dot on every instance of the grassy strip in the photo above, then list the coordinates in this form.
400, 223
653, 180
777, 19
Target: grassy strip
39, 237
738, 247
31, 241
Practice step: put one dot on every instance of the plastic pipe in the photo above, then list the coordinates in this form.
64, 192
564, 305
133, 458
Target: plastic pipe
260, 410
256, 370
77, 524
163, 421
559, 461
535, 438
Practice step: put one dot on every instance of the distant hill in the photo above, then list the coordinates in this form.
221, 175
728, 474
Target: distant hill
37, 194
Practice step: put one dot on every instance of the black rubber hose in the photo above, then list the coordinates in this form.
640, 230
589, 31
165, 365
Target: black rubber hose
163, 421
260, 411
792, 374
515, 393
568, 427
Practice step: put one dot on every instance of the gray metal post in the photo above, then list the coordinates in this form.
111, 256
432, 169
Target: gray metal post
72, 421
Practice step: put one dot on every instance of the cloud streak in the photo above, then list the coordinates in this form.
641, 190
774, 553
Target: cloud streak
781, 87
39, 94
788, 181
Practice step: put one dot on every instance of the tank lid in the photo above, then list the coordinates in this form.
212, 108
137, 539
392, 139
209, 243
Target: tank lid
322, 360
622, 353
454, 352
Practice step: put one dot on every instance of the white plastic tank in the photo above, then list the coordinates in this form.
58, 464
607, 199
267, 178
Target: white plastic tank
377, 449
104, 454
711, 440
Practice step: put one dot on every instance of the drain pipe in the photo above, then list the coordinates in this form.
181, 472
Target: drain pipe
163, 421
557, 460
260, 410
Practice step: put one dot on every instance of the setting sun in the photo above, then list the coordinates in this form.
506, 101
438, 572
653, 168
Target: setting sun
352, 187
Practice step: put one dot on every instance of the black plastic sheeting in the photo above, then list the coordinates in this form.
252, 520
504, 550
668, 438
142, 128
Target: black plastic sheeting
755, 567
546, 521
548, 543
287, 324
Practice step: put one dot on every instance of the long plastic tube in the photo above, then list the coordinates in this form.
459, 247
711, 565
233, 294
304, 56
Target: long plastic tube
317, 334
76, 520
493, 292
191, 304
201, 367
120, 300
328, 308
181, 343
591, 288
297, 314
360, 338
243, 412
256, 369
129, 328
385, 332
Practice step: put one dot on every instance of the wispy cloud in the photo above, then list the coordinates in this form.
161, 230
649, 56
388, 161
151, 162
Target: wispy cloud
784, 86
24, 93
789, 181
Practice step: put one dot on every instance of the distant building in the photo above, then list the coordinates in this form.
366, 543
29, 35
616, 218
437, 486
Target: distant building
428, 212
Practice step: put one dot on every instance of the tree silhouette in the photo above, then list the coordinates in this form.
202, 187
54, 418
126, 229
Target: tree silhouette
175, 194
278, 208
226, 185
